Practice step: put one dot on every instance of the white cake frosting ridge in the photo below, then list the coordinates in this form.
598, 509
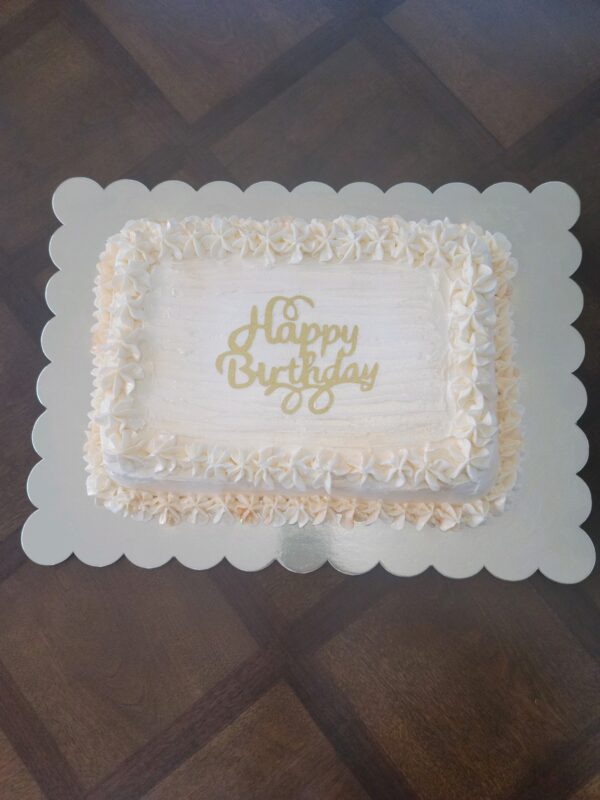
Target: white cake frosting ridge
482, 375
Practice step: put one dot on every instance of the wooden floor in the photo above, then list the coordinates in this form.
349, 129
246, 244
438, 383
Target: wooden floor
124, 683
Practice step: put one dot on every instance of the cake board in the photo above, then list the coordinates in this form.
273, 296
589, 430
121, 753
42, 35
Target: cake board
540, 530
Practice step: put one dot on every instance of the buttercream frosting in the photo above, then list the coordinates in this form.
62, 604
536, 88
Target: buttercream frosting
460, 477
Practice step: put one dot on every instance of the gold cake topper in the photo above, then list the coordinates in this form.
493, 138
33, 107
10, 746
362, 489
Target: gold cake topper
281, 325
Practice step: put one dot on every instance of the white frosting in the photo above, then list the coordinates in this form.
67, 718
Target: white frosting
190, 310
454, 461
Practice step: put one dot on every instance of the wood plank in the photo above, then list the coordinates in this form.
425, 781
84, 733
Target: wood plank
33, 743
198, 57
218, 708
462, 690
16, 782
19, 408
511, 64
93, 657
272, 750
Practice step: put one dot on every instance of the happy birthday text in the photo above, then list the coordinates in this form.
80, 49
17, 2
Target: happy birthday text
321, 363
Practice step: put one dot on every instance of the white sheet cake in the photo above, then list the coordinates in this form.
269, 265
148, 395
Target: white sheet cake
294, 372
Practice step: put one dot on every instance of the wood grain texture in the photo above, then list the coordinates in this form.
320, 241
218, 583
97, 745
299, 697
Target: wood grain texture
198, 57
534, 55
278, 749
86, 679
123, 683
19, 409
15, 781
505, 708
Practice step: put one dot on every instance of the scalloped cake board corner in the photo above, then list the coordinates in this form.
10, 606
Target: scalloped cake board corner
539, 531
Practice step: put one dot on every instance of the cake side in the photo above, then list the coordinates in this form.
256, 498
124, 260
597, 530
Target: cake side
301, 486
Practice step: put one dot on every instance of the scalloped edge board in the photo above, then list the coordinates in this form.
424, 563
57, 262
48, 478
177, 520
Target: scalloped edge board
539, 531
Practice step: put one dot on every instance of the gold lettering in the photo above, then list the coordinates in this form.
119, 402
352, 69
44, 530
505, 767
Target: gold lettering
281, 325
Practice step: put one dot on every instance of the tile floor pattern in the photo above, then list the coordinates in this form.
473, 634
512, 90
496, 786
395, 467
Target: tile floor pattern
123, 683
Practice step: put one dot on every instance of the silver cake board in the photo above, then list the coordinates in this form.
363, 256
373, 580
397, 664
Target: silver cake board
540, 530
